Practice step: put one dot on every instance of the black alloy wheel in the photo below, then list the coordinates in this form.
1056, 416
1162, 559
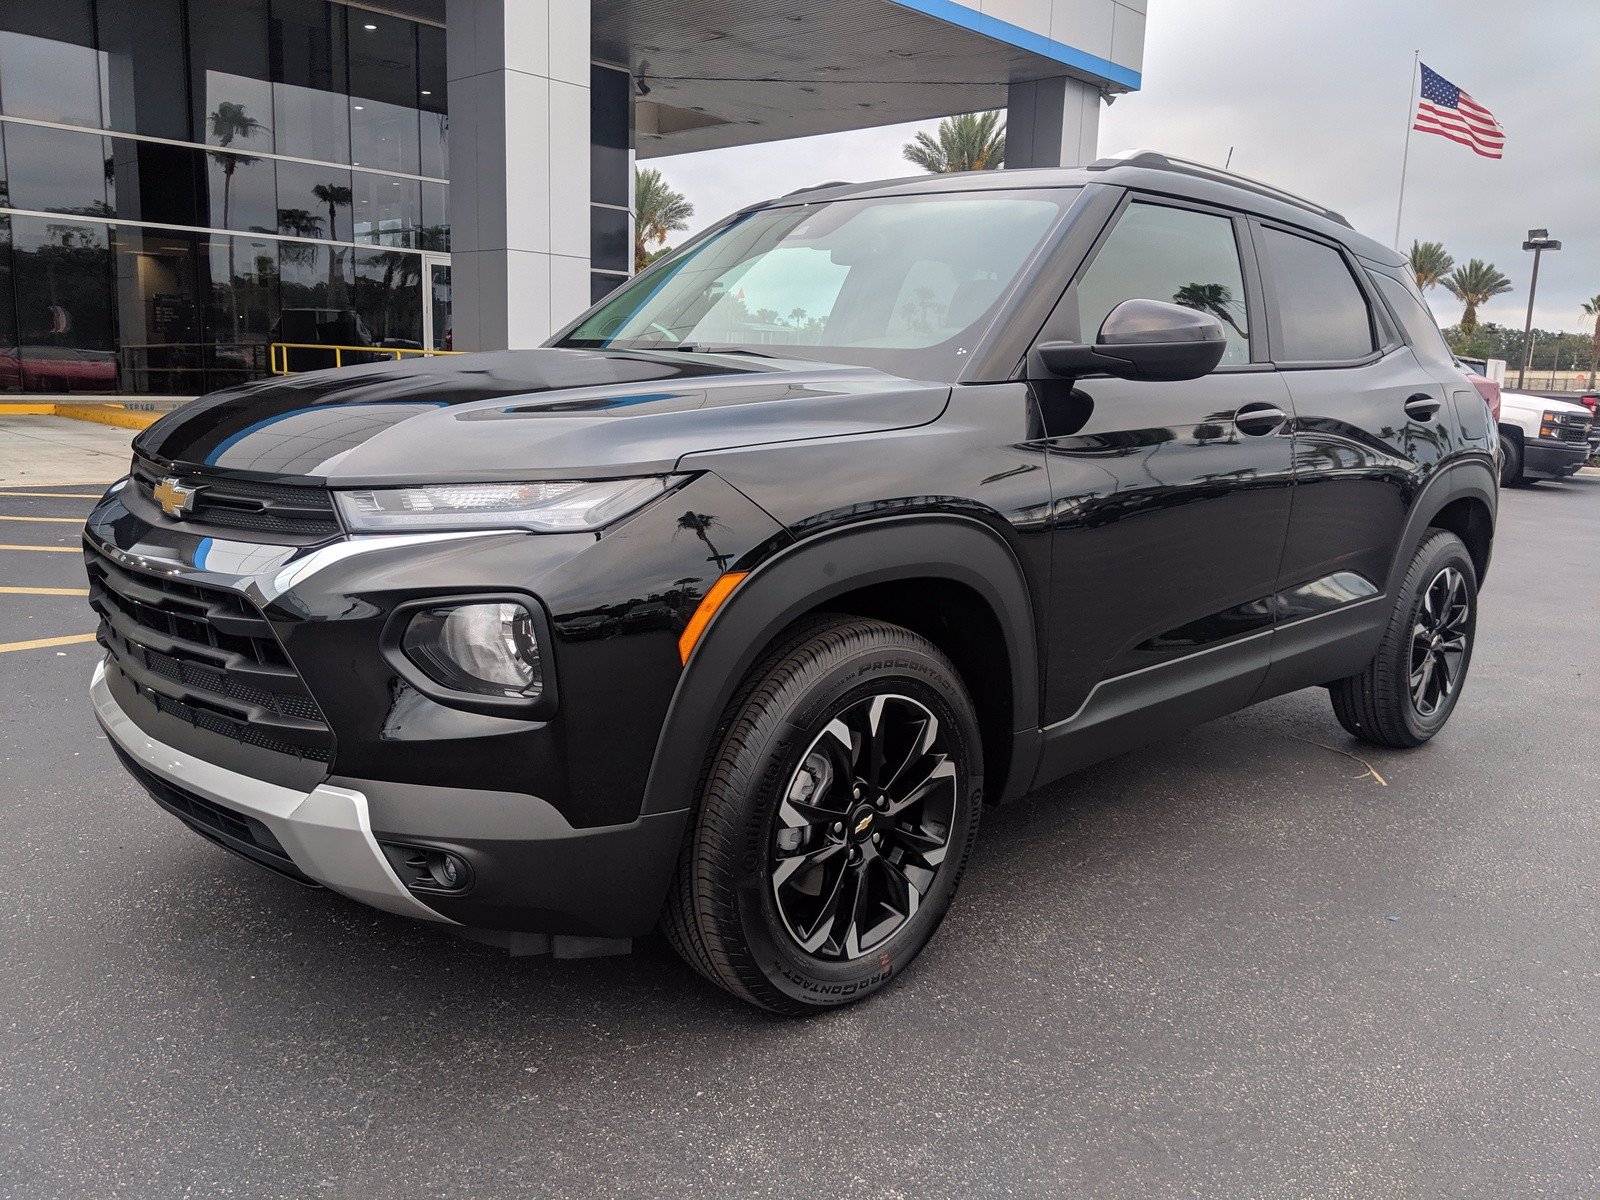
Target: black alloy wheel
1439, 641
840, 805
863, 828
1408, 690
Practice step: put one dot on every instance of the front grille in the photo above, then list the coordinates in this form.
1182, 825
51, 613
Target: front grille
274, 508
207, 656
1570, 427
232, 830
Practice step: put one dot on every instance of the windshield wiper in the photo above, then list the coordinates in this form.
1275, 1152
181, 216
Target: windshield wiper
713, 348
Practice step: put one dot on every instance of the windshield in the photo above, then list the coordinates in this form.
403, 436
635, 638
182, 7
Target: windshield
907, 284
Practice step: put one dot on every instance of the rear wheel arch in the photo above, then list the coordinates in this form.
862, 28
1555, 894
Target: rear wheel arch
1462, 498
868, 570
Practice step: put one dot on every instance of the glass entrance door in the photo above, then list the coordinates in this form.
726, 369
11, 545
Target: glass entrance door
437, 333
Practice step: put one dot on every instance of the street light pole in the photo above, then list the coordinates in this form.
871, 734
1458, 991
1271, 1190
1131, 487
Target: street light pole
1539, 240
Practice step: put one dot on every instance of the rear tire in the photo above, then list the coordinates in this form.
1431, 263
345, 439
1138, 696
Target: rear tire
1407, 692
839, 809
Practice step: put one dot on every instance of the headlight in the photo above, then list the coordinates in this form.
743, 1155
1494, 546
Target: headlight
486, 649
543, 507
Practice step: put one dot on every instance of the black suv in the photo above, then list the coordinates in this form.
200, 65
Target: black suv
730, 610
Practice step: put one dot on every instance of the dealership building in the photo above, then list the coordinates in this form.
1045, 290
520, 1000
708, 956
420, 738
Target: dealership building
200, 192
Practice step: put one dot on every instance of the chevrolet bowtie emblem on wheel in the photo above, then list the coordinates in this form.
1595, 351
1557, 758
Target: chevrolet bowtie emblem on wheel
175, 499
861, 825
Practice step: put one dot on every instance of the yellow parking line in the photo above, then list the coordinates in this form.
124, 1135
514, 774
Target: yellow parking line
43, 643
47, 549
29, 591
47, 520
55, 495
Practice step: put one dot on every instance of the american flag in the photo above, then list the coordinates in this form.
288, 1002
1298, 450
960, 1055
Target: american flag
1448, 111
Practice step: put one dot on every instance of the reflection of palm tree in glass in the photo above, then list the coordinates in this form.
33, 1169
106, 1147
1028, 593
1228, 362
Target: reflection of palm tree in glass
1214, 298
299, 222
228, 122
334, 195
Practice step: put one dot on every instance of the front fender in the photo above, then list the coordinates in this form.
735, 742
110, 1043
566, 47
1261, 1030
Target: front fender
805, 577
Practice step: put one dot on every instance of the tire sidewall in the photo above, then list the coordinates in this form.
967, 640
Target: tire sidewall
801, 713
1446, 551
1510, 461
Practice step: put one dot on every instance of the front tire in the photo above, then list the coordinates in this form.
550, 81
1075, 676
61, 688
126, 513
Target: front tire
1407, 692
1510, 461
838, 813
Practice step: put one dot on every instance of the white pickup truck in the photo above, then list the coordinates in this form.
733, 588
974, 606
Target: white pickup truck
1542, 438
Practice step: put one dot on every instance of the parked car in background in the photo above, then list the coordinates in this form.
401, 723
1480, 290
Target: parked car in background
1541, 438
1487, 388
736, 622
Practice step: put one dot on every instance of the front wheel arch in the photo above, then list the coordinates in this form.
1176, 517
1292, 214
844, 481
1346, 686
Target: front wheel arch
804, 579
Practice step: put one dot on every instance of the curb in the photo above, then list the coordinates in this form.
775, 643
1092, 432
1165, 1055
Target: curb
100, 414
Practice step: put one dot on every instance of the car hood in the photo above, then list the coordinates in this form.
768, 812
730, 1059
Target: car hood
1531, 403
527, 414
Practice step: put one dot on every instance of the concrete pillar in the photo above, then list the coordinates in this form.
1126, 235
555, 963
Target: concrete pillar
519, 168
1052, 123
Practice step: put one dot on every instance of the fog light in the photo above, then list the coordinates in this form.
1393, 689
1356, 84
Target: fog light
484, 649
447, 871
425, 869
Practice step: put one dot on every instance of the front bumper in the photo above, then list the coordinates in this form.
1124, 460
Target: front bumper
1549, 459
534, 873
326, 832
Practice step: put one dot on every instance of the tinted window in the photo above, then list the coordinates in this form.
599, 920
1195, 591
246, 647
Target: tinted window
387, 210
383, 92
65, 331
1321, 308
145, 88
56, 171
1422, 331
1172, 254
432, 99
314, 201
230, 72
49, 69
310, 111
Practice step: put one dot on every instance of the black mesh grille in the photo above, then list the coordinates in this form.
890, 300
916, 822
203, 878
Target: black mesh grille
232, 830
303, 512
206, 656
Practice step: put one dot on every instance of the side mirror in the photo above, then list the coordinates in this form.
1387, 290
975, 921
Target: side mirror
1143, 339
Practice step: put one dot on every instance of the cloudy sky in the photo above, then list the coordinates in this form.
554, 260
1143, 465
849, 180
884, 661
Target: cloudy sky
1312, 98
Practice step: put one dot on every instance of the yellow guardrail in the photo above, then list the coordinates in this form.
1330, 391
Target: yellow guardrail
278, 354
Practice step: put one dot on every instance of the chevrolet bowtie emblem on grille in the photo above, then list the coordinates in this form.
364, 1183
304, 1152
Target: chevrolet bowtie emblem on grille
175, 499
861, 825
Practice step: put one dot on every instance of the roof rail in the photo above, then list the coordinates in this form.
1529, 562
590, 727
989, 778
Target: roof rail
817, 187
1155, 161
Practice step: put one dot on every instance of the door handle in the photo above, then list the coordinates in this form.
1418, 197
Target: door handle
1422, 406
1259, 419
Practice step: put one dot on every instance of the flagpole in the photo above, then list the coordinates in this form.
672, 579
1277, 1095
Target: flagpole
1405, 157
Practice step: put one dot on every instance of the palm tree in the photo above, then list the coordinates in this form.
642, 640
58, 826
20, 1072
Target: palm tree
1475, 284
657, 211
1429, 263
1591, 313
969, 142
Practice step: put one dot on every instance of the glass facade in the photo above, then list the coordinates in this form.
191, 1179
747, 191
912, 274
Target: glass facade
185, 182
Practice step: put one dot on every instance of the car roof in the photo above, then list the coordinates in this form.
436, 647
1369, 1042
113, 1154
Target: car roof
1143, 171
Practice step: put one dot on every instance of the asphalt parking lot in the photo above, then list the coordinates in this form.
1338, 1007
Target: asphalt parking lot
1234, 964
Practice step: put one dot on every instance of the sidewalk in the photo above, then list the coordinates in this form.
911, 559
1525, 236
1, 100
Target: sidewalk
50, 451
